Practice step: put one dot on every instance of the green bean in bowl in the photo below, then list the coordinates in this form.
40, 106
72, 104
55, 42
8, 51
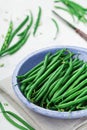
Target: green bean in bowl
53, 81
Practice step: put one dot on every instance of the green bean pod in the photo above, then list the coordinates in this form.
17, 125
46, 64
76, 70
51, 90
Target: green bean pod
6, 41
57, 27
28, 27
18, 28
61, 80
20, 119
75, 95
43, 68
70, 81
39, 65
71, 103
27, 126
71, 91
37, 21
14, 47
52, 79
43, 76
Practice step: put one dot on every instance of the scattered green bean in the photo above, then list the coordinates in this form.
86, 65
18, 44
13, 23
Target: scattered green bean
28, 26
6, 113
74, 9
15, 47
57, 27
18, 28
37, 21
6, 41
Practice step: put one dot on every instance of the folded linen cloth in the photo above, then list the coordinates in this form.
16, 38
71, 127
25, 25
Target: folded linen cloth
38, 121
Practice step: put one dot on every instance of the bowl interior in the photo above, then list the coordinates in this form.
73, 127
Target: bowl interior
28, 63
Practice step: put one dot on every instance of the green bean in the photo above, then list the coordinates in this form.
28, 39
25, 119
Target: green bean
75, 95
82, 94
68, 56
29, 79
76, 61
49, 82
82, 108
34, 72
40, 64
67, 10
22, 88
43, 68
48, 92
61, 80
27, 94
82, 77
57, 27
71, 103
28, 87
78, 15
20, 119
70, 81
75, 67
79, 7
15, 47
79, 96
67, 92
43, 82
6, 41
58, 7
20, 45
38, 88
52, 76
75, 9
37, 21
18, 28
28, 76
56, 58
13, 122
28, 26
71, 91
30, 71
43, 76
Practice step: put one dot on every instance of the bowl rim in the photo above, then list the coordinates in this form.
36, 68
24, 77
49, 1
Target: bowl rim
38, 109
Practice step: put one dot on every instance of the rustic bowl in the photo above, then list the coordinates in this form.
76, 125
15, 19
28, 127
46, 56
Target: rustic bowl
29, 62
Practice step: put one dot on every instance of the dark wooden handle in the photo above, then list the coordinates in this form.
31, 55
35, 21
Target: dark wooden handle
82, 34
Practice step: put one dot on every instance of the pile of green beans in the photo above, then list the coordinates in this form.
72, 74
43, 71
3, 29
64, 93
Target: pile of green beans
59, 82
74, 9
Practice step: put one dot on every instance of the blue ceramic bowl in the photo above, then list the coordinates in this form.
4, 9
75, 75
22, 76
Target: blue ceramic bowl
32, 60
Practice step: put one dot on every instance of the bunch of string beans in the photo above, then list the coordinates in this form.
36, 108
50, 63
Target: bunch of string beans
22, 36
59, 82
9, 116
74, 9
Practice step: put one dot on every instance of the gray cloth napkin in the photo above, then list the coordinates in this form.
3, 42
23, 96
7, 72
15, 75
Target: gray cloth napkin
38, 121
